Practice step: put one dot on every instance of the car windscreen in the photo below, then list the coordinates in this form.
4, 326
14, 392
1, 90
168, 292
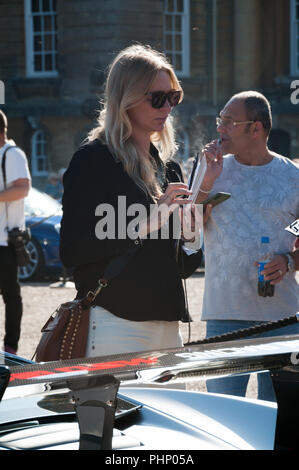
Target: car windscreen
7, 359
39, 204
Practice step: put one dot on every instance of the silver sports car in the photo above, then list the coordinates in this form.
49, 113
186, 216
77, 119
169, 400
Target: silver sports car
127, 402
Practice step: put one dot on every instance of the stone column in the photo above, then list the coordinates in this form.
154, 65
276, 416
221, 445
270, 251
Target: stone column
246, 44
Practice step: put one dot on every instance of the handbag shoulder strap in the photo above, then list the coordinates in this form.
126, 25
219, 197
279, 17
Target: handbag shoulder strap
113, 269
3, 166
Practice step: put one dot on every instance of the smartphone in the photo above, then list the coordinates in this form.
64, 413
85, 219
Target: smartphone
216, 199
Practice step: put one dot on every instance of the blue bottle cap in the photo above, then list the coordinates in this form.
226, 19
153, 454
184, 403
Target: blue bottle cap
265, 239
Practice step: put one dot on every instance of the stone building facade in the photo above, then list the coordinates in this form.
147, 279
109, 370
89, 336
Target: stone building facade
54, 56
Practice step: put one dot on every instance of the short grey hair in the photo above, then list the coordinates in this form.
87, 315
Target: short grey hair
257, 108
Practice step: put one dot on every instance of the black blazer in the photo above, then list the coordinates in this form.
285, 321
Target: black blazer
150, 287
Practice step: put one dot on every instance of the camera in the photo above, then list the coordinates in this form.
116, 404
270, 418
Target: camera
18, 239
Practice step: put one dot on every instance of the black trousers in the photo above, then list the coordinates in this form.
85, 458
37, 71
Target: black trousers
11, 293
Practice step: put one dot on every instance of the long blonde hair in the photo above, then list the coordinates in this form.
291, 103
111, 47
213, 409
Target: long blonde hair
130, 77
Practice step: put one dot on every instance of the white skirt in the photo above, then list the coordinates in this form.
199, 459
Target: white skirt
109, 334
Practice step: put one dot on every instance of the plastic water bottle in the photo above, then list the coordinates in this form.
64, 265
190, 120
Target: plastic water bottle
265, 289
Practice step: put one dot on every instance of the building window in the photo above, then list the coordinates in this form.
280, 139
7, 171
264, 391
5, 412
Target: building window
177, 35
39, 159
41, 37
294, 37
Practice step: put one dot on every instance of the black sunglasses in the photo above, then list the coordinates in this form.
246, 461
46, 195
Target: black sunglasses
159, 98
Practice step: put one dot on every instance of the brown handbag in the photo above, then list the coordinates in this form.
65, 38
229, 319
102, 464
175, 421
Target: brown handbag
64, 336
61, 332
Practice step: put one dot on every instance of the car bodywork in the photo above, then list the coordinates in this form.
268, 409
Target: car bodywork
110, 402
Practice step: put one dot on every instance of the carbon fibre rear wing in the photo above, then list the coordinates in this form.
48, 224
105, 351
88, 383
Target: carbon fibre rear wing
168, 365
94, 382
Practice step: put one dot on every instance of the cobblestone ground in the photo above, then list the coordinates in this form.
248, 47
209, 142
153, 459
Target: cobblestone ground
41, 299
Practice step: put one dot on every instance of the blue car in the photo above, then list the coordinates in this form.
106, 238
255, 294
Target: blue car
43, 216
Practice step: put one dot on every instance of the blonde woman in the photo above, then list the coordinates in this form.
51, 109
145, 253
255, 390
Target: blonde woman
139, 309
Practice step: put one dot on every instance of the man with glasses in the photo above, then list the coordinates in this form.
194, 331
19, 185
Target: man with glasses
264, 199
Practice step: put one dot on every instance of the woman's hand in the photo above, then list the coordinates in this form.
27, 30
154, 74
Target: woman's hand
191, 222
166, 205
173, 193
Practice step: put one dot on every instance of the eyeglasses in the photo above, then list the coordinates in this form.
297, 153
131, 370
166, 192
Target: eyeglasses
159, 98
229, 123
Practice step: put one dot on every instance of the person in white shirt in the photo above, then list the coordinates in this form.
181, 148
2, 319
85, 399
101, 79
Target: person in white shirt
11, 216
264, 200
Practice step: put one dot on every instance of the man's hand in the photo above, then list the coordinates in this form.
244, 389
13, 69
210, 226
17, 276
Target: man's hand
214, 158
213, 154
275, 270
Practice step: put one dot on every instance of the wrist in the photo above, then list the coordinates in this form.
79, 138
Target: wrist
290, 262
205, 190
207, 185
